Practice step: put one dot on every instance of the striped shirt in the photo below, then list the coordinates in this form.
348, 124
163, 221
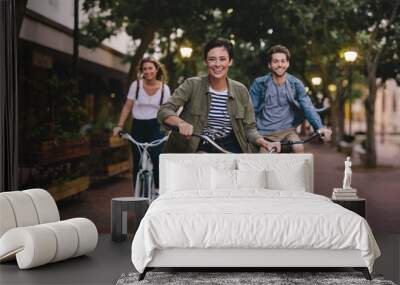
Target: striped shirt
219, 123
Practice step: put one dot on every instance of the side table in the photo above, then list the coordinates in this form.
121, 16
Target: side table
119, 215
357, 205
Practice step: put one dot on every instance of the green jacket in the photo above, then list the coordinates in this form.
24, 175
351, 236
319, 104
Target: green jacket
194, 97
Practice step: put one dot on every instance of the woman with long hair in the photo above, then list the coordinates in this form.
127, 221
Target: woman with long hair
145, 96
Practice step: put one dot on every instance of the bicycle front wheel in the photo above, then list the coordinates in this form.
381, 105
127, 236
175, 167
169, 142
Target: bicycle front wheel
146, 184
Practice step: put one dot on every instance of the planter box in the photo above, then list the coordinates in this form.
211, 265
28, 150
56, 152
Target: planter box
107, 141
117, 142
117, 168
69, 188
51, 151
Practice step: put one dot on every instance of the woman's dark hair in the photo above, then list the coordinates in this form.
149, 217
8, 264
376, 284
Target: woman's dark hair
278, 49
161, 72
219, 42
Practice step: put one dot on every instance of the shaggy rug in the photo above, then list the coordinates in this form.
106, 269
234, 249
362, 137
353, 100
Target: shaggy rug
243, 278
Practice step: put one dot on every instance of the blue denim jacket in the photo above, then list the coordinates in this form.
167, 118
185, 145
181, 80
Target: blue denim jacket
304, 109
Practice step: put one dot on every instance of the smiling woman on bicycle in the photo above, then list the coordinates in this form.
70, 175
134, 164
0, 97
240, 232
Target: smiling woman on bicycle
144, 99
213, 105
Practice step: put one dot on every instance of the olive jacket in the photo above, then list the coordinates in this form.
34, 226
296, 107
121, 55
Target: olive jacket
194, 96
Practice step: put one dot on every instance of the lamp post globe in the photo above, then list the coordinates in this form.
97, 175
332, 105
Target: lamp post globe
350, 56
186, 52
316, 81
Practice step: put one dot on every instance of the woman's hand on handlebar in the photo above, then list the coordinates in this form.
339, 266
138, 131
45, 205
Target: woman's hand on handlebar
268, 145
185, 129
116, 131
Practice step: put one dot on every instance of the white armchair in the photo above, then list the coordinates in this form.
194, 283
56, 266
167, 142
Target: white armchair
31, 230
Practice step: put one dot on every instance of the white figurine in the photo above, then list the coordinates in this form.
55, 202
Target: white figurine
347, 174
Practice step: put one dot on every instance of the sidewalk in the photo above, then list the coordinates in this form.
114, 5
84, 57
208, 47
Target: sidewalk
381, 188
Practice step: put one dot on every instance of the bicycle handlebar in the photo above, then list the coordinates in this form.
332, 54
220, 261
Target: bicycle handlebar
273, 149
313, 136
204, 137
127, 136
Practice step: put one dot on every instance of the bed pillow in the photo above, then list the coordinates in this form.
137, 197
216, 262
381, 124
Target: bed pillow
251, 178
183, 177
223, 179
292, 178
193, 174
231, 180
202, 160
281, 174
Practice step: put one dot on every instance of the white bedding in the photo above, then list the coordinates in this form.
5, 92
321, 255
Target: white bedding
252, 218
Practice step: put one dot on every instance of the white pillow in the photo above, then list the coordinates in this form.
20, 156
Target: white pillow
294, 179
251, 178
281, 174
204, 160
231, 180
183, 178
223, 179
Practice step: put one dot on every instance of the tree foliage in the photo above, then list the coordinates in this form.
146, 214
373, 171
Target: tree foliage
316, 32
142, 20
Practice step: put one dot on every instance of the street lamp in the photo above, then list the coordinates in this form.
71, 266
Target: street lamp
332, 88
186, 53
316, 81
350, 56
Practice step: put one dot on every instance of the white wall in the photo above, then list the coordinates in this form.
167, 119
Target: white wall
59, 11
62, 12
388, 116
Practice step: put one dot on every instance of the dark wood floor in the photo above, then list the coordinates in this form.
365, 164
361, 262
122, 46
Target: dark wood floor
103, 266
110, 259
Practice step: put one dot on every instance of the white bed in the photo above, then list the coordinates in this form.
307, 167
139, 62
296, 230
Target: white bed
247, 210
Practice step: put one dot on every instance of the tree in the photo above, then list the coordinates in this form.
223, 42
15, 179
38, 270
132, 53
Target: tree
319, 43
315, 31
143, 20
318, 31
312, 32
378, 37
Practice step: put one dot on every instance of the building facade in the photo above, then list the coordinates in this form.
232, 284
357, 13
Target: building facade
67, 125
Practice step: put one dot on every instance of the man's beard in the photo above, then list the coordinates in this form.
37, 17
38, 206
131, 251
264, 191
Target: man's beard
279, 75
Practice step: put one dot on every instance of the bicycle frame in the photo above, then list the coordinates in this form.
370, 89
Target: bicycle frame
144, 186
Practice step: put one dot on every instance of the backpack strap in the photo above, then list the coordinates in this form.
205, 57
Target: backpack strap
162, 93
137, 89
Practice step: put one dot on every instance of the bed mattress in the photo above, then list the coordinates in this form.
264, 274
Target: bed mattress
251, 219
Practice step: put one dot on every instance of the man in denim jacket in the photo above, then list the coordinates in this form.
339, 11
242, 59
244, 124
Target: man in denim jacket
281, 103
